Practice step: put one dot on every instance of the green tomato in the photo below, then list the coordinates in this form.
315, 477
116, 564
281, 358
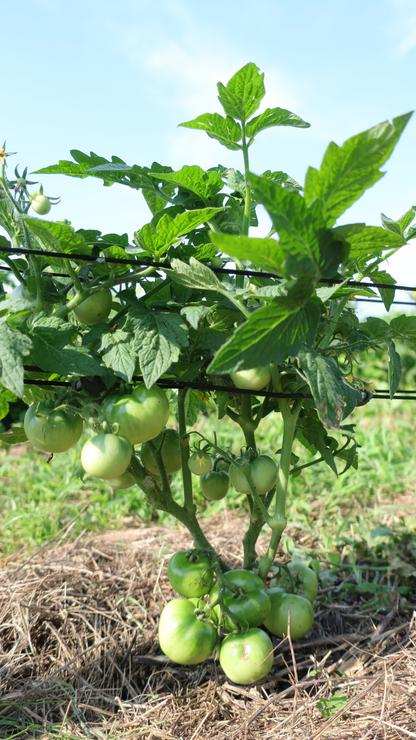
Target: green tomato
53, 431
246, 657
95, 308
41, 204
215, 485
200, 463
168, 442
305, 581
301, 614
141, 414
189, 573
250, 606
182, 637
106, 455
220, 463
253, 380
122, 482
263, 471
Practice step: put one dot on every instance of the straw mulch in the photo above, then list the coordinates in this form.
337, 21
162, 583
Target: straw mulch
79, 651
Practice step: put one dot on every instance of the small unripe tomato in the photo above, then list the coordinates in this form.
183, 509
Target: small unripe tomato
41, 204
253, 380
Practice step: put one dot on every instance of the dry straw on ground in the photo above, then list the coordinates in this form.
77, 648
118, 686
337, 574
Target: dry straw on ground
79, 654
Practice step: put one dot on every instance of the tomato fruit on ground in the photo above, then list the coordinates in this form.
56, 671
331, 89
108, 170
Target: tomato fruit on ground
182, 637
305, 581
52, 431
141, 414
95, 308
200, 463
253, 380
301, 614
263, 471
188, 573
106, 455
246, 657
215, 485
251, 606
41, 204
122, 482
168, 442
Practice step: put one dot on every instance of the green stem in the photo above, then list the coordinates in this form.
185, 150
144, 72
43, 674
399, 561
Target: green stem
74, 275
14, 270
188, 499
334, 321
40, 304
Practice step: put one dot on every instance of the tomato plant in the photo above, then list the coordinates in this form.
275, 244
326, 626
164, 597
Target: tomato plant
52, 431
274, 334
95, 308
183, 637
141, 414
300, 609
122, 482
168, 444
247, 657
302, 580
106, 455
190, 574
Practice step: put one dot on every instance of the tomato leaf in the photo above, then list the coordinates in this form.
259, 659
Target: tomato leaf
271, 333
204, 184
15, 436
314, 437
225, 130
13, 347
367, 241
334, 397
158, 339
157, 239
266, 253
195, 275
399, 227
347, 171
274, 117
395, 368
53, 351
244, 91
116, 348
194, 313
57, 237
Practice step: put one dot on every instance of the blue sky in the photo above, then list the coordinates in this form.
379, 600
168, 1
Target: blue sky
118, 76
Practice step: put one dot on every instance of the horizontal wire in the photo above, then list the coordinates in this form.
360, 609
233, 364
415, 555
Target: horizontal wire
219, 270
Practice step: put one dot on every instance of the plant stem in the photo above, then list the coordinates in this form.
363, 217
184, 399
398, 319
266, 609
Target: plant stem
188, 499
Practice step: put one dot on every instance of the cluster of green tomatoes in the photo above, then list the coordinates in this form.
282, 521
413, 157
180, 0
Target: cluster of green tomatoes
225, 616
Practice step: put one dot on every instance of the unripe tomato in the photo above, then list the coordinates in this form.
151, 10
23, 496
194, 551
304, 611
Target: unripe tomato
141, 414
301, 614
182, 637
122, 482
246, 657
263, 471
95, 308
254, 379
168, 442
200, 463
251, 606
305, 581
41, 204
215, 485
53, 431
106, 455
189, 574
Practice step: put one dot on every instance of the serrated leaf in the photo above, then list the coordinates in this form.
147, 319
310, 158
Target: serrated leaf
347, 171
271, 333
243, 93
366, 241
387, 296
377, 328
225, 130
266, 253
313, 435
13, 347
274, 117
194, 314
117, 353
16, 436
404, 327
334, 397
157, 239
196, 180
57, 237
282, 179
53, 351
159, 337
395, 368
195, 275
399, 227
